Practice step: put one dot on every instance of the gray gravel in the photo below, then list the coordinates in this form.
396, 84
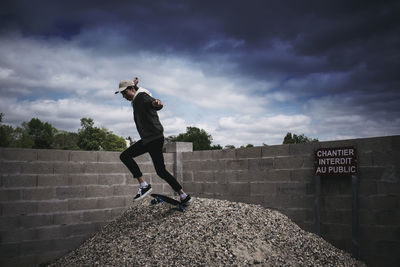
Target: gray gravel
210, 233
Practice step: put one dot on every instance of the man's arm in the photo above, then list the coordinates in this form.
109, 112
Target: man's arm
152, 102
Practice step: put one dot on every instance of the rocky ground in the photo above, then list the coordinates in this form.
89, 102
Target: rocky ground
210, 233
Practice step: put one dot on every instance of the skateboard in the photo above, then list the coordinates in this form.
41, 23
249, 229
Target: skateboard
161, 198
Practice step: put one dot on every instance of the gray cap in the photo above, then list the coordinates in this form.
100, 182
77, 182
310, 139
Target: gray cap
124, 84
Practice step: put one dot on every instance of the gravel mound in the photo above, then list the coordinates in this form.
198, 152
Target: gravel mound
210, 233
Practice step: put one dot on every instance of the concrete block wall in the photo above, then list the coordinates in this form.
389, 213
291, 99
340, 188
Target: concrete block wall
52, 200
282, 177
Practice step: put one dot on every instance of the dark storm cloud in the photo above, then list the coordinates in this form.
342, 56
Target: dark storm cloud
357, 41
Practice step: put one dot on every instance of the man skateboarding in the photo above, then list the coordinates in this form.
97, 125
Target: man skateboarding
151, 132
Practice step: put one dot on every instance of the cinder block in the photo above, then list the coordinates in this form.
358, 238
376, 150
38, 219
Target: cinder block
239, 189
224, 154
111, 179
227, 176
8, 251
336, 216
111, 202
99, 191
115, 213
277, 175
53, 155
187, 156
335, 231
84, 156
380, 144
236, 165
169, 158
52, 180
69, 243
202, 155
396, 142
9, 167
35, 220
192, 188
291, 188
106, 168
68, 218
275, 151
18, 208
52, 206
145, 158
10, 194
260, 164
35, 247
249, 152
262, 188
302, 175
303, 149
295, 162
18, 154
82, 229
176, 147
9, 223
367, 188
190, 166
371, 173
37, 167
170, 168
389, 189
82, 204
68, 167
364, 158
204, 176
299, 215
83, 179
123, 190
70, 192
104, 156
336, 202
187, 176
38, 193
97, 216
379, 232
52, 232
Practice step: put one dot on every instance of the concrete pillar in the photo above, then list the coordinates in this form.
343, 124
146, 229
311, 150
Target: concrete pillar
178, 148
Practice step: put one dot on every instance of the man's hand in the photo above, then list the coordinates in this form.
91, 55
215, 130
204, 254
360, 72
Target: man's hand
157, 103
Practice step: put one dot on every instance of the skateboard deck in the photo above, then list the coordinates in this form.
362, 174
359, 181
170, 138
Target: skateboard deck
161, 198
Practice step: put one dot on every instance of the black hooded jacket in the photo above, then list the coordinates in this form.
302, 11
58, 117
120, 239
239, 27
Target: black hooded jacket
146, 118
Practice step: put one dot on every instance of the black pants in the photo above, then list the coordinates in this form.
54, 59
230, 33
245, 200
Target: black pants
155, 150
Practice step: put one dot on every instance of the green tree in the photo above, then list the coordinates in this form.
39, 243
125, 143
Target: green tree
6, 133
41, 133
90, 137
297, 139
113, 142
229, 147
200, 138
94, 138
66, 140
22, 139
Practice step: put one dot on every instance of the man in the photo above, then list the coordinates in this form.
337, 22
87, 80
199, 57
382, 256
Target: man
148, 125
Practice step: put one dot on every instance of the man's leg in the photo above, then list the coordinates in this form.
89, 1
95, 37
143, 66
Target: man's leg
126, 157
131, 152
156, 153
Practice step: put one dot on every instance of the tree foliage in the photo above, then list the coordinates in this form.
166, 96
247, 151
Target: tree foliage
200, 138
41, 133
94, 138
38, 134
297, 139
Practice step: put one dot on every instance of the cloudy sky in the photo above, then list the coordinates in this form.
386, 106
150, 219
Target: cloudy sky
247, 72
